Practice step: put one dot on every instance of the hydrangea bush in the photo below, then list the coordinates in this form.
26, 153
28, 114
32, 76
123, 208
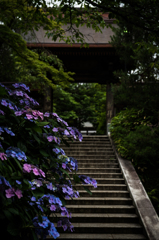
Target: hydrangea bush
34, 170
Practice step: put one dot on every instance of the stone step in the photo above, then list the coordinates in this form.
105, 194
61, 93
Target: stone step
88, 157
105, 193
89, 149
87, 142
100, 175
100, 201
76, 236
117, 209
99, 140
103, 218
96, 139
109, 212
124, 228
103, 187
91, 145
85, 153
97, 161
96, 165
108, 180
99, 170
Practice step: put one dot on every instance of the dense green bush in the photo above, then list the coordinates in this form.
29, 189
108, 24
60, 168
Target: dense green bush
137, 141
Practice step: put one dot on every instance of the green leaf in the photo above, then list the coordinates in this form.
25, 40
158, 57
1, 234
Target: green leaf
18, 164
37, 129
35, 237
7, 214
41, 124
65, 172
87, 190
44, 153
14, 211
36, 138
2, 91
22, 146
13, 229
38, 194
76, 178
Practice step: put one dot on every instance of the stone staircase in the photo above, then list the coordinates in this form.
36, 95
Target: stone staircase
109, 212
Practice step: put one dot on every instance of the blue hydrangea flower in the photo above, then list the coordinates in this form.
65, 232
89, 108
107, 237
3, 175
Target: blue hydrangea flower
21, 85
47, 227
5, 182
56, 150
18, 182
9, 131
16, 152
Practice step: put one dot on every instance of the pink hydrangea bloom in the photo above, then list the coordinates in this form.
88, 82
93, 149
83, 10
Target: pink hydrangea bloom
27, 167
29, 116
19, 194
42, 173
3, 156
10, 193
35, 171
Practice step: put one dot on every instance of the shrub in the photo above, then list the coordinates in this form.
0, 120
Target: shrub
137, 141
34, 170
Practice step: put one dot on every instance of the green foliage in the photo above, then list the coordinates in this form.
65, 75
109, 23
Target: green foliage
137, 141
81, 103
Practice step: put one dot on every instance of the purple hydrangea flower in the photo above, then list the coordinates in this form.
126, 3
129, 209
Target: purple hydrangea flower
49, 186
53, 208
18, 113
4, 102
66, 133
37, 182
62, 152
21, 85
66, 124
56, 150
64, 165
1, 112
55, 129
55, 115
47, 114
50, 138
11, 107
46, 126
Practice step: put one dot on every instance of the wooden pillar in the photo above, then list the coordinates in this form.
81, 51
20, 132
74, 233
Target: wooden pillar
109, 107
